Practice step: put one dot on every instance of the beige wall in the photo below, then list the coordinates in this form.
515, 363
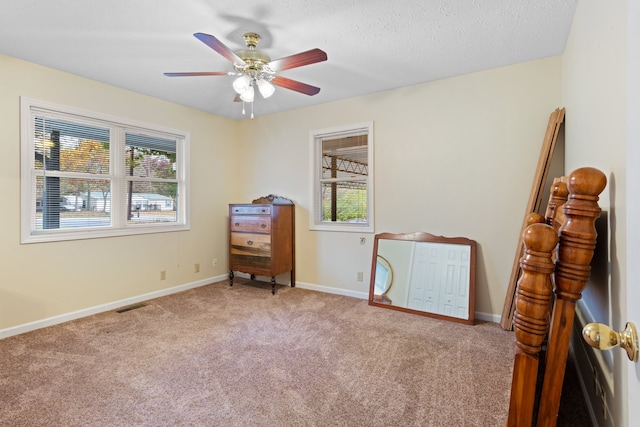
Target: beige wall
452, 158
595, 96
39, 281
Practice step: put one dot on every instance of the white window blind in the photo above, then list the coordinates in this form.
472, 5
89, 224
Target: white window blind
151, 180
88, 175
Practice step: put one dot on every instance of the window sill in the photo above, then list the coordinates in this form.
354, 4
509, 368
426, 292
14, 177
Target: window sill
64, 235
343, 227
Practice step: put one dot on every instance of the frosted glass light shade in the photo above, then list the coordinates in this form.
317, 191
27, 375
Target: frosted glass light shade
241, 84
247, 95
266, 88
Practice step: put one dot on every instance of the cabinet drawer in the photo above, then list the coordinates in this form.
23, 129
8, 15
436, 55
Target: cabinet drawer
256, 210
246, 245
251, 223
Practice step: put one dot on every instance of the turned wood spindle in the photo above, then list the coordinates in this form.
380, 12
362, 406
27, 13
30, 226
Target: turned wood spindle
577, 240
558, 196
531, 317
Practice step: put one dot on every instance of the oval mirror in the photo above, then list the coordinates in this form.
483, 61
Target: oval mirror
383, 280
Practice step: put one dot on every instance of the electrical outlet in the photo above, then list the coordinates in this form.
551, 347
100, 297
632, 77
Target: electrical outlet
197, 268
163, 274
214, 263
360, 276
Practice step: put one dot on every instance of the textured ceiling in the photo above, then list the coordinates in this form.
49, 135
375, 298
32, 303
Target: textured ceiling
372, 45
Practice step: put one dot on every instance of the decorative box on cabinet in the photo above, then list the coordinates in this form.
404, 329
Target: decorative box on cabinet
261, 238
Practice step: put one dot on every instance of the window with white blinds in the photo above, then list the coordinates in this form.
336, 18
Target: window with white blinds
342, 179
87, 175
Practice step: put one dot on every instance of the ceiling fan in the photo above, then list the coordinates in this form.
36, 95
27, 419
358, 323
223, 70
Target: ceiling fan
255, 68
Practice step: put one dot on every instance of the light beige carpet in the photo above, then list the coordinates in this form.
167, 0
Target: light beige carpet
238, 356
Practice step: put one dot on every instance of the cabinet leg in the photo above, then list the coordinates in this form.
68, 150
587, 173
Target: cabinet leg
273, 285
231, 278
253, 277
293, 278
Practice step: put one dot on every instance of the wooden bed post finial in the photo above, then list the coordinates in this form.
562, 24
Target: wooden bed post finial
534, 288
578, 233
557, 198
531, 318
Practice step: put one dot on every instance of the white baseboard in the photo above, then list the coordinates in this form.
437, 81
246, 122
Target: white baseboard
487, 317
319, 288
50, 321
330, 290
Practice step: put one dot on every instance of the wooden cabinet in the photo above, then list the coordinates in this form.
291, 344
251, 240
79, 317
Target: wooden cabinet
261, 238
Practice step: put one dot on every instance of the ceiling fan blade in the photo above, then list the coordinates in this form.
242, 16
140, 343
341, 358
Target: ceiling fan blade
219, 47
237, 98
200, 73
295, 85
298, 60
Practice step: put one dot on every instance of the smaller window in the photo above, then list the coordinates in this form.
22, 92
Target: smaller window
342, 179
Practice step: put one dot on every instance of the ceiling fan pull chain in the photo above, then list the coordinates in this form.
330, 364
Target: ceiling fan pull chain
252, 110
243, 108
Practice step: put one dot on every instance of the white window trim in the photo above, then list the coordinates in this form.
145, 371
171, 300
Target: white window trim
119, 226
315, 173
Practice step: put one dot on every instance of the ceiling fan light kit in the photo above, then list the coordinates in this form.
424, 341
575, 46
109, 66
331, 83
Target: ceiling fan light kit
255, 68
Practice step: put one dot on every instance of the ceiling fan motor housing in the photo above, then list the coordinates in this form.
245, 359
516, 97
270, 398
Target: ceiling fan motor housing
255, 60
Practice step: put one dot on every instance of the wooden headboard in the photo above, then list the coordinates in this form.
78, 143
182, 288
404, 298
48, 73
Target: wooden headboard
555, 268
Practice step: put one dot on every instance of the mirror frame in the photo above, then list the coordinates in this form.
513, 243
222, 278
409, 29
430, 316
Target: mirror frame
426, 237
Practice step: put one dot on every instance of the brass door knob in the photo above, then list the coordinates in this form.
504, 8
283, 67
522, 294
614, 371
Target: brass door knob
603, 337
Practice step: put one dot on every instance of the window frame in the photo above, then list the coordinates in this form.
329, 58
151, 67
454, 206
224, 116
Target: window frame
315, 179
118, 127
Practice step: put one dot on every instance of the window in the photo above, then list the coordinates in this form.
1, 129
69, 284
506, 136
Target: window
342, 179
86, 175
